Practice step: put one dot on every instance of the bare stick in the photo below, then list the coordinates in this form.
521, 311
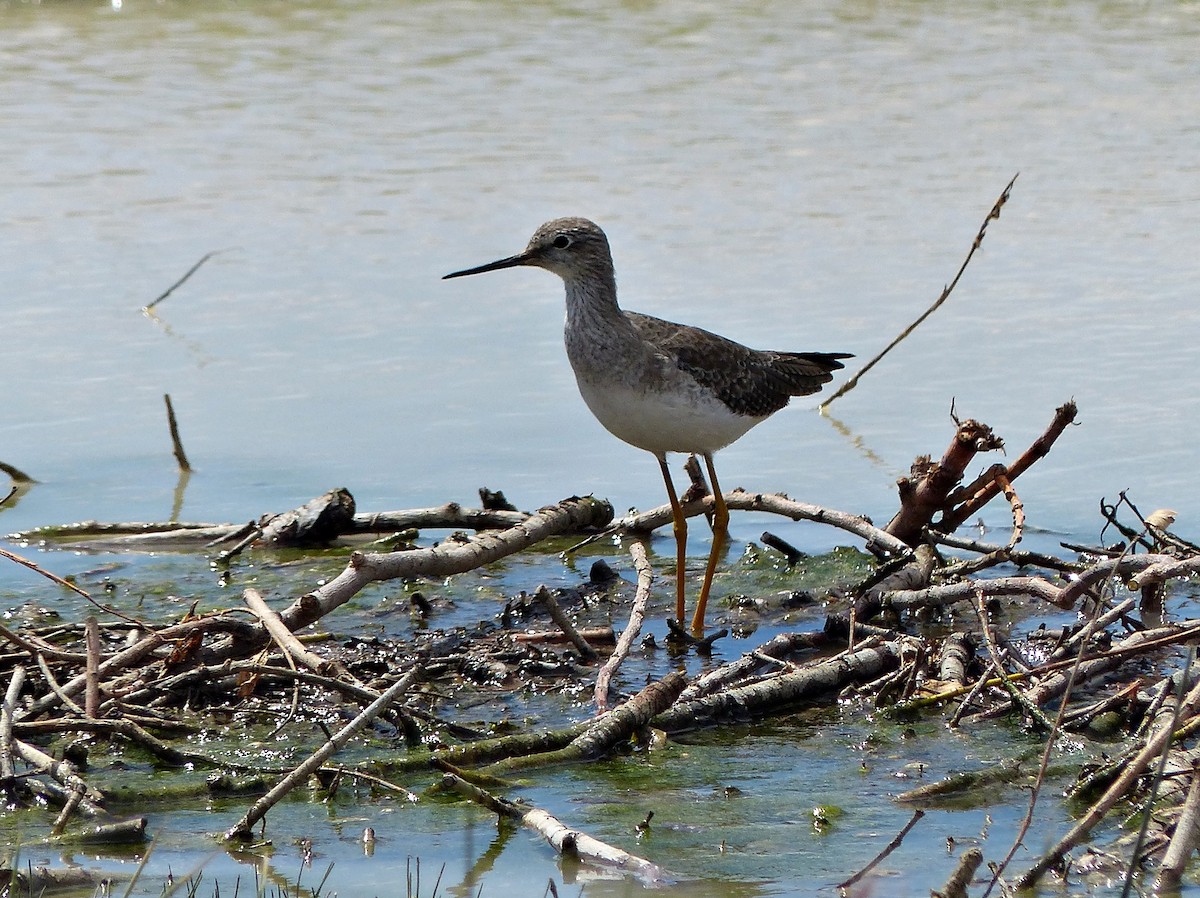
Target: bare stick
632, 629
569, 843
178, 283
241, 829
176, 444
946, 291
1137, 765
956, 885
1018, 508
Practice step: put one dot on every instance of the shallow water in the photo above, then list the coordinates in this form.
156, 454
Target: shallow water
794, 178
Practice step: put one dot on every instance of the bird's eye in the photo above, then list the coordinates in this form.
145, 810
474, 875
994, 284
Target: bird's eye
562, 241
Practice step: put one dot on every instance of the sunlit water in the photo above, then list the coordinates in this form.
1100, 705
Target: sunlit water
796, 178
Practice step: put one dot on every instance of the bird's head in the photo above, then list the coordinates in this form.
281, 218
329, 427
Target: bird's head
570, 247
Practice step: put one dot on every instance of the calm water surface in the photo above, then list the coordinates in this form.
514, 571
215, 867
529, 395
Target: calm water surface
794, 178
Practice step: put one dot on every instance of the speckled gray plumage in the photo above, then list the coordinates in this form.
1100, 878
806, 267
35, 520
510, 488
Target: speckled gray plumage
661, 386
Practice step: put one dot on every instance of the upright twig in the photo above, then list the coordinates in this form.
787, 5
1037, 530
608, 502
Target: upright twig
946, 291
632, 629
543, 596
176, 443
91, 702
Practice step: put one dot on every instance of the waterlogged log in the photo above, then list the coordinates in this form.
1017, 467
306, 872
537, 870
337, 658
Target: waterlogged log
955, 785
317, 522
758, 699
566, 841
173, 534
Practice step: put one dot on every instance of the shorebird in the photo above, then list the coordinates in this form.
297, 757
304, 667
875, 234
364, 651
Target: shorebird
661, 386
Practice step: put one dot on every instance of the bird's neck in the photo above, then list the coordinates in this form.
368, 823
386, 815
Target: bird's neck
597, 331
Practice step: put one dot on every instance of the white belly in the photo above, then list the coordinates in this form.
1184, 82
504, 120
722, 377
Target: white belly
665, 422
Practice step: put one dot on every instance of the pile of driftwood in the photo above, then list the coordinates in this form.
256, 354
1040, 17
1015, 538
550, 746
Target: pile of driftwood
120, 677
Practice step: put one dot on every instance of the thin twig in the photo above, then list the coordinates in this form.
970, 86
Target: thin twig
946, 291
13, 556
1152, 797
178, 283
888, 849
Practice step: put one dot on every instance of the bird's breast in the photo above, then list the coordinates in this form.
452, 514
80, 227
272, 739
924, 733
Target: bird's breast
660, 421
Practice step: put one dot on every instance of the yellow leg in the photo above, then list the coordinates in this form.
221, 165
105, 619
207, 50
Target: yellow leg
720, 528
679, 526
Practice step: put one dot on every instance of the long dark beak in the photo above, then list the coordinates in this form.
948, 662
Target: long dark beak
510, 262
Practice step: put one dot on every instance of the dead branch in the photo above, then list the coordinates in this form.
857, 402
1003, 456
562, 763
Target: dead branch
956, 885
1064, 415
547, 601
782, 690
1183, 842
606, 731
925, 492
570, 515
888, 849
284, 637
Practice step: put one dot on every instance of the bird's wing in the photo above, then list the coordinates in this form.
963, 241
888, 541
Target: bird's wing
749, 381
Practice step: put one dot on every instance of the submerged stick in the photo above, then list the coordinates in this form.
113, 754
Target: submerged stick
606, 731
946, 291
566, 841
7, 715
